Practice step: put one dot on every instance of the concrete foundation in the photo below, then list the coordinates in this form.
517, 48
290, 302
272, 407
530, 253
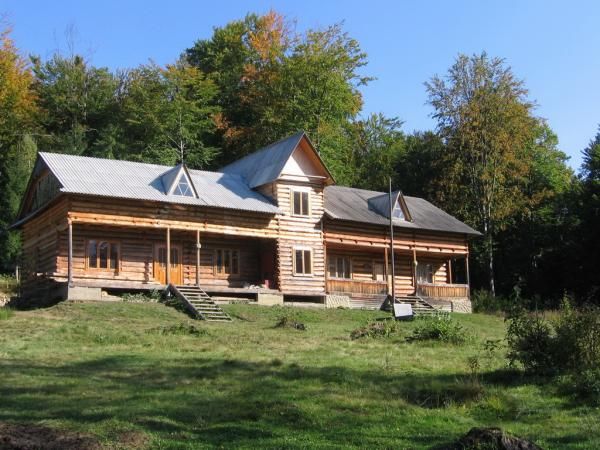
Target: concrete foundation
83, 293
337, 301
462, 305
269, 299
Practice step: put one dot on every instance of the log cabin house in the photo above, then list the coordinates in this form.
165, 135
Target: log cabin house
270, 227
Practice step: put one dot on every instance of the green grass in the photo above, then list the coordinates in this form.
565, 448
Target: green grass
115, 370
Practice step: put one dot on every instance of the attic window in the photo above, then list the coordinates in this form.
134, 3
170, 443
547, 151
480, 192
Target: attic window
398, 213
183, 187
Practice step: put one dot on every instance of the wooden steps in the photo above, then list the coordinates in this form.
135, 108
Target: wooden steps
199, 303
419, 305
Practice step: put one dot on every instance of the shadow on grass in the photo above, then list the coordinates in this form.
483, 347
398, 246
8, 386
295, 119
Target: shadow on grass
227, 402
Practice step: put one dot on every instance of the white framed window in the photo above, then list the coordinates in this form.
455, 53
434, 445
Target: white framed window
340, 267
303, 261
183, 186
300, 203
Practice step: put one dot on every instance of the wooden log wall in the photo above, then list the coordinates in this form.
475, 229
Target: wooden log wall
40, 240
299, 232
110, 211
138, 250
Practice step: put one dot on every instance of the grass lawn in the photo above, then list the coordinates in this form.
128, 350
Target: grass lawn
114, 372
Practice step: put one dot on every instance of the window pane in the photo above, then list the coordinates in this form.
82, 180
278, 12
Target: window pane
340, 267
174, 257
397, 213
162, 257
332, 267
92, 256
346, 267
183, 187
235, 263
103, 255
299, 265
114, 256
226, 262
307, 262
297, 203
304, 203
219, 261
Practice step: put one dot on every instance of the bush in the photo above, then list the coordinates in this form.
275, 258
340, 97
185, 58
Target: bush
440, 327
531, 342
142, 297
482, 301
376, 329
289, 321
6, 313
569, 343
586, 385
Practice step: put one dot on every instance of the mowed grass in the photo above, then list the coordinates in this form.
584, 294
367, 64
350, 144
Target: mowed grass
113, 371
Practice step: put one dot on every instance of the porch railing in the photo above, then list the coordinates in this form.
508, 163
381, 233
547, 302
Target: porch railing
443, 290
357, 287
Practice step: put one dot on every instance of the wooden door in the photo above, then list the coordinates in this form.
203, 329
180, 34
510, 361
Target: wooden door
160, 264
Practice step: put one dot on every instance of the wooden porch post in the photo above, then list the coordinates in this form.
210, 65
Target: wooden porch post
449, 271
168, 273
415, 264
197, 257
385, 270
468, 276
70, 256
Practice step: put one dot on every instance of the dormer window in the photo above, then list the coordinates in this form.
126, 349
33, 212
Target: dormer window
183, 186
398, 213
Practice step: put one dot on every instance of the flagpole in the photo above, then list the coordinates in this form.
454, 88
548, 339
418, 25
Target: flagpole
393, 299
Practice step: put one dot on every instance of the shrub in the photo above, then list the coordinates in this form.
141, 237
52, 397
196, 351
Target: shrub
440, 327
143, 297
289, 321
6, 313
530, 342
570, 343
585, 384
376, 329
482, 301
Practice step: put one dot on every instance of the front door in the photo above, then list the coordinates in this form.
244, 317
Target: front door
160, 264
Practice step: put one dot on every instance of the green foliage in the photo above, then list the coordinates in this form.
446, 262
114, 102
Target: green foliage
585, 385
6, 313
566, 344
376, 329
439, 327
143, 297
531, 342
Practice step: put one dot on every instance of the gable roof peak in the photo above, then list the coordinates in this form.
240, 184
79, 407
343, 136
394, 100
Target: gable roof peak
266, 164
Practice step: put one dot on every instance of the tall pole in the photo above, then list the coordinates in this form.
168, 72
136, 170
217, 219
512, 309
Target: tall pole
168, 274
392, 247
70, 256
197, 257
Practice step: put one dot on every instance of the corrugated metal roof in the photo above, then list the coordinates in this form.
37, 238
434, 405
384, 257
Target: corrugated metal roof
141, 181
266, 164
352, 204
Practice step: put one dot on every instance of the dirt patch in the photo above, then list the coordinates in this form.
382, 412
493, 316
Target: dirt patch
133, 439
35, 437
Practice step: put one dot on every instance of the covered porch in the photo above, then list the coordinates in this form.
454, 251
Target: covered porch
112, 257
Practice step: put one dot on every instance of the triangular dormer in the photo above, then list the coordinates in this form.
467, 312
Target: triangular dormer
399, 210
177, 181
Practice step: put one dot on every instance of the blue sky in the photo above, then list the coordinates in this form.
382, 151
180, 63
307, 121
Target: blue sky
554, 46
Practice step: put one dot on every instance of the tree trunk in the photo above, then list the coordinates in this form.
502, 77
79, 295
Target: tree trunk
490, 250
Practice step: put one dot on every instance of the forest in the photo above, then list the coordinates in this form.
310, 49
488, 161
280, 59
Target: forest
491, 160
